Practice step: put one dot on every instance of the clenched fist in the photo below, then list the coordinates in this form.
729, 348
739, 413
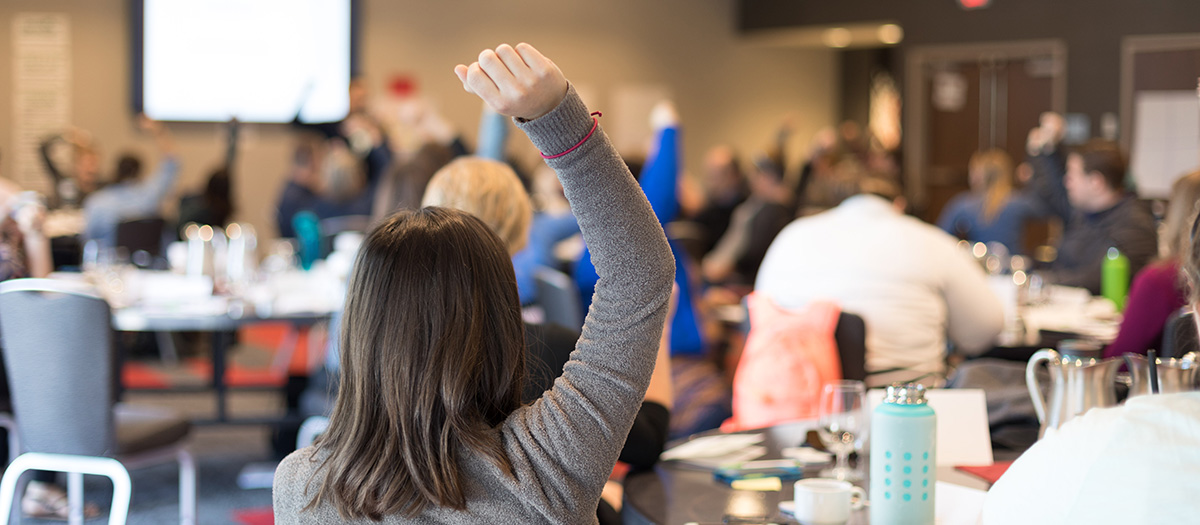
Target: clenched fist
518, 82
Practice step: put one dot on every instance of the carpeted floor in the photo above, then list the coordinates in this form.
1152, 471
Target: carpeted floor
221, 452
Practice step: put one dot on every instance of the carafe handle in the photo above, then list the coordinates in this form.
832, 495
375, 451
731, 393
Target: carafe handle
1035, 390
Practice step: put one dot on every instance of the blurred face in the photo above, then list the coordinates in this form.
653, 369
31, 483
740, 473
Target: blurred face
721, 178
975, 179
87, 165
1083, 189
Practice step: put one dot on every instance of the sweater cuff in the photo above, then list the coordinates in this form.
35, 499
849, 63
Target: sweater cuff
562, 128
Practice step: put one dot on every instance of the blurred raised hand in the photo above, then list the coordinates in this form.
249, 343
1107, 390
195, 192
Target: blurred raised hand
664, 115
517, 82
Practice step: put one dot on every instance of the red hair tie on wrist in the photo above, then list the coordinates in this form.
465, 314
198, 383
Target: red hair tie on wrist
595, 124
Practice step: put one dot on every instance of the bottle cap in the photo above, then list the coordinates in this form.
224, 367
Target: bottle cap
905, 394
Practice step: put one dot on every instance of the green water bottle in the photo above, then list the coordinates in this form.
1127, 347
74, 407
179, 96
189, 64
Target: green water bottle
1114, 278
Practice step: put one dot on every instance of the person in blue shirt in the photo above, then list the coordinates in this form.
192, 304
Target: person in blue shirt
131, 197
659, 180
551, 225
992, 210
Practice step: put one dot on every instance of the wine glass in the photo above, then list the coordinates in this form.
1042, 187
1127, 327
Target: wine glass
842, 424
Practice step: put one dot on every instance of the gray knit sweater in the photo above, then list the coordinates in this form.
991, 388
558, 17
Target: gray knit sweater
563, 446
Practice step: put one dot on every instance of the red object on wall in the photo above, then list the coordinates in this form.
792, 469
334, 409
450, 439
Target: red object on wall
402, 85
974, 4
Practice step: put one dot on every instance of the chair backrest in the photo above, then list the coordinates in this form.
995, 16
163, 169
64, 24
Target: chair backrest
1179, 336
331, 226
851, 338
142, 235
57, 344
559, 298
788, 357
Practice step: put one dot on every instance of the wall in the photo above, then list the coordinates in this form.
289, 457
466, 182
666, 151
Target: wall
726, 91
1092, 29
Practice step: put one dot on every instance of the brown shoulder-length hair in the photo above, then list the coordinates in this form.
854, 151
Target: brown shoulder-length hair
433, 357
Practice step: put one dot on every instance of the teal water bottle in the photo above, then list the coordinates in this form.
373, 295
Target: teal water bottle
308, 235
903, 458
1114, 278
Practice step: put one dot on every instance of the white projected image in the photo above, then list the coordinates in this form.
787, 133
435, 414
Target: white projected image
256, 60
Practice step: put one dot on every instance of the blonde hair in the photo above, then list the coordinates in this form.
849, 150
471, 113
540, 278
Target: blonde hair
997, 169
1181, 212
489, 190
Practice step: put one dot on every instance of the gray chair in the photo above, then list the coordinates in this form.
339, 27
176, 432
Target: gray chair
851, 338
57, 344
1179, 336
559, 298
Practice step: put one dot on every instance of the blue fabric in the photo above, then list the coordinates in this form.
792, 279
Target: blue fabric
544, 233
963, 217
493, 132
106, 208
659, 180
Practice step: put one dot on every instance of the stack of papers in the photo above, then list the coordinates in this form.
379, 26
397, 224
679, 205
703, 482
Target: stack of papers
710, 452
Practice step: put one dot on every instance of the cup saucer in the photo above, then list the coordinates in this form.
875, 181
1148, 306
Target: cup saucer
787, 508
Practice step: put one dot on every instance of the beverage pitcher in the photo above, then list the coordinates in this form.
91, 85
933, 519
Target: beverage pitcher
1077, 384
1174, 374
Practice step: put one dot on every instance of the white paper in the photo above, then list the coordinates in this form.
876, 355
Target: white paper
712, 446
1166, 140
957, 505
962, 425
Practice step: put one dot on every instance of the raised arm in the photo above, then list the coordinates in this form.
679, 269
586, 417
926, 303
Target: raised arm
571, 436
1049, 166
660, 177
152, 190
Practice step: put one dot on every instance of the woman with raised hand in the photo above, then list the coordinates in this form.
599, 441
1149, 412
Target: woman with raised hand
428, 426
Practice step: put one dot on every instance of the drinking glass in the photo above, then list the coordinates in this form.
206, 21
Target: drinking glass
842, 420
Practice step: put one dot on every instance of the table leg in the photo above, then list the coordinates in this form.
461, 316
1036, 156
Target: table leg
220, 344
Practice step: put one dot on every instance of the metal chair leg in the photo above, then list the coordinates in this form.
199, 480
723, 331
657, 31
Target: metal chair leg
187, 487
75, 467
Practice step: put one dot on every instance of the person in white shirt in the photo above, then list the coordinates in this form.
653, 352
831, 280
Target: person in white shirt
1134, 463
908, 280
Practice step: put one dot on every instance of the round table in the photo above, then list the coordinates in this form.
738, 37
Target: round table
676, 494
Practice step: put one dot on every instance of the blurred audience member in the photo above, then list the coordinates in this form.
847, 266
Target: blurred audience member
74, 182
991, 211
552, 223
1135, 463
1087, 192
659, 179
24, 248
303, 187
907, 279
754, 224
212, 206
1159, 290
404, 183
725, 188
129, 196
344, 185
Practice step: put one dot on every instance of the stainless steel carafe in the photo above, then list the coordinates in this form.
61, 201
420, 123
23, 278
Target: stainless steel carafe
1174, 374
1077, 384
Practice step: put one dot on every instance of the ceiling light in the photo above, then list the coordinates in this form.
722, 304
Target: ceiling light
837, 37
891, 34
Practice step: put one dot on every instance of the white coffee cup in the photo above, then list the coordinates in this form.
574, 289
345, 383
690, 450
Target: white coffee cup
819, 501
